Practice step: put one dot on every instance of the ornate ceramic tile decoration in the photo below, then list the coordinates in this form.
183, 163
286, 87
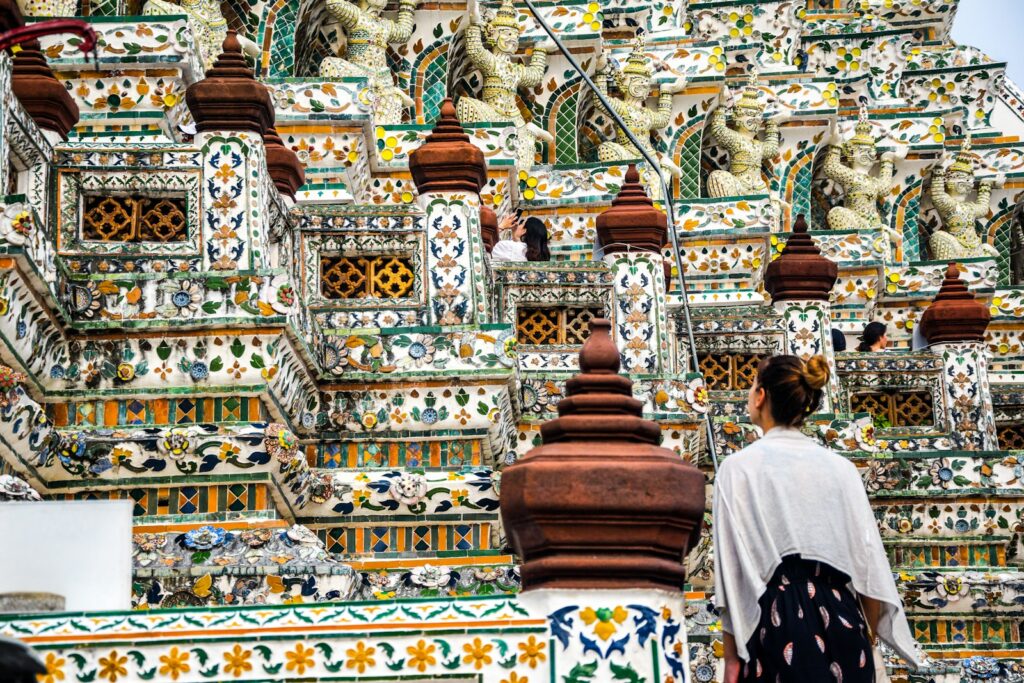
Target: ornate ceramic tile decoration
311, 401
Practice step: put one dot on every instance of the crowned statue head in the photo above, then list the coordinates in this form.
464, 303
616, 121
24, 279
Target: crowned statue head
749, 108
503, 29
960, 175
634, 79
861, 149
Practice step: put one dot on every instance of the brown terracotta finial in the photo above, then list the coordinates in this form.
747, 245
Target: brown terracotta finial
230, 97
599, 354
562, 504
488, 227
632, 223
283, 164
231, 44
447, 161
45, 98
954, 315
10, 16
800, 225
800, 272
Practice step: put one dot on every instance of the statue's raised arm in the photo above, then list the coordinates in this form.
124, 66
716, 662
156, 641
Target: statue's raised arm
345, 12
958, 237
633, 82
369, 35
503, 76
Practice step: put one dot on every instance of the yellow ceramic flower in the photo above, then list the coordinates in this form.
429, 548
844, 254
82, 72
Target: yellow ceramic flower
54, 669
112, 666
421, 655
515, 678
299, 659
532, 652
607, 620
237, 661
360, 657
174, 663
477, 653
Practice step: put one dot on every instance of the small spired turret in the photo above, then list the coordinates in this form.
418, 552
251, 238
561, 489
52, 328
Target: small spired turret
284, 166
800, 273
230, 98
632, 222
447, 160
954, 315
45, 99
562, 504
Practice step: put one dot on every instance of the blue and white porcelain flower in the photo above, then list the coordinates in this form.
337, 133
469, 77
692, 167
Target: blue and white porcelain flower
205, 538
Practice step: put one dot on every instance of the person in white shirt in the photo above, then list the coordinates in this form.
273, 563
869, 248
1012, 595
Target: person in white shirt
529, 240
511, 248
802, 580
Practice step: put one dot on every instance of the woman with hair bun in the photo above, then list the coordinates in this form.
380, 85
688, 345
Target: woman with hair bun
874, 338
801, 578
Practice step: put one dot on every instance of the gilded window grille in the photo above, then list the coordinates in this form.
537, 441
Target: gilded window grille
729, 371
554, 326
901, 408
134, 219
362, 277
1011, 437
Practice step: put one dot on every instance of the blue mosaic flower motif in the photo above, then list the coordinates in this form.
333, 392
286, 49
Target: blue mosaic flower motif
429, 416
205, 538
417, 350
199, 371
181, 298
982, 668
703, 673
57, 372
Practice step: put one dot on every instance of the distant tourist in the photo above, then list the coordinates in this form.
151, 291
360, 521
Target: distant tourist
838, 340
801, 577
874, 338
527, 240
19, 663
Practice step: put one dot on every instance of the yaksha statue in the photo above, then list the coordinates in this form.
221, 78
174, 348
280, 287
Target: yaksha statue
746, 152
863, 190
950, 190
634, 84
503, 77
368, 37
207, 23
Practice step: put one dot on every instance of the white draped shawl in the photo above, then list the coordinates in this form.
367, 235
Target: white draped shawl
508, 251
786, 495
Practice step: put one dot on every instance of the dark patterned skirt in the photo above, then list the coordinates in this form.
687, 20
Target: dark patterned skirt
811, 630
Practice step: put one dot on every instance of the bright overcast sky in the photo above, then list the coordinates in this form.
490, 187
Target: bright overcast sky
995, 27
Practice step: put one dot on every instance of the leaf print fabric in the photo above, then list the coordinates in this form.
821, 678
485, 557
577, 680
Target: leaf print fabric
811, 629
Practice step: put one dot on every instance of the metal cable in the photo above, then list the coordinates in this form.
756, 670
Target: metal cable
666, 202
